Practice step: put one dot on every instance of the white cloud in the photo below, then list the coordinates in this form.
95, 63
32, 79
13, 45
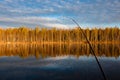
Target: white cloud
97, 12
27, 19
46, 21
8, 0
31, 10
57, 25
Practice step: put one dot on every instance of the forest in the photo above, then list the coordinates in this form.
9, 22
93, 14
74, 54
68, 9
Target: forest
40, 35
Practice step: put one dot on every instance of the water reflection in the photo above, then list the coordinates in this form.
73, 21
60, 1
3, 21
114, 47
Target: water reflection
58, 62
53, 50
65, 68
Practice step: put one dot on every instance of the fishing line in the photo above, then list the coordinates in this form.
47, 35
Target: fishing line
92, 51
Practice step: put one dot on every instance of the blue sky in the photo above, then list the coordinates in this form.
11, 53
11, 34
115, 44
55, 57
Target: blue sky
56, 13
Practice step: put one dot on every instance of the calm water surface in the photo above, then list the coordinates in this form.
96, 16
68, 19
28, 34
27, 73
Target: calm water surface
58, 62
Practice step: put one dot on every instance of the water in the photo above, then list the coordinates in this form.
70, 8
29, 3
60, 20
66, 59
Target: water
58, 62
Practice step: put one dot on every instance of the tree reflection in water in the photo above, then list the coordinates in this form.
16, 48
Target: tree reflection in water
53, 50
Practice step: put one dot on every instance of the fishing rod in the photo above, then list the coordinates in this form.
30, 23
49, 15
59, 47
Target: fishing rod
92, 51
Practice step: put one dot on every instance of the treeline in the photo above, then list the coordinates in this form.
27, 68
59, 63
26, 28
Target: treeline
24, 34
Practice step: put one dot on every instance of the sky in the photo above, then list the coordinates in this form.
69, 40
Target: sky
57, 13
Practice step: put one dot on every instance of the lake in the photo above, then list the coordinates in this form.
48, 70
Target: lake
58, 62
